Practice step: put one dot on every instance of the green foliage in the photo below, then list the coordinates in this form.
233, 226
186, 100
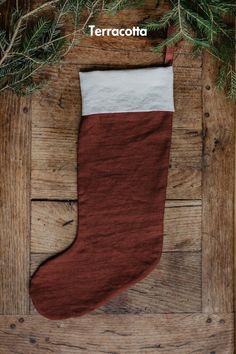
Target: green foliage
38, 38
164, 21
222, 76
20, 56
112, 6
203, 24
31, 50
232, 90
3, 41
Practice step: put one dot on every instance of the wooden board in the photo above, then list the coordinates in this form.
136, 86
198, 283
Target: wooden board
59, 104
184, 306
15, 137
133, 334
218, 186
55, 134
174, 286
54, 226
54, 167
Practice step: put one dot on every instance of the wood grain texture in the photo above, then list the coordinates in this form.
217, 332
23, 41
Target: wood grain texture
59, 104
57, 109
15, 137
54, 164
56, 120
57, 183
146, 334
218, 192
120, 50
174, 286
54, 226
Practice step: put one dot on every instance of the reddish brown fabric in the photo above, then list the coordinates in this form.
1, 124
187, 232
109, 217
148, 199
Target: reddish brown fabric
123, 164
169, 54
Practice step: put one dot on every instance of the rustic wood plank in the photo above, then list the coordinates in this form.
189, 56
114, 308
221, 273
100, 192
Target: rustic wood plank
131, 16
54, 227
56, 183
59, 104
54, 164
128, 50
15, 138
218, 192
56, 115
184, 183
174, 286
149, 334
182, 228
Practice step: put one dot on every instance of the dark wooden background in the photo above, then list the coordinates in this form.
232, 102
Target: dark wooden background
186, 305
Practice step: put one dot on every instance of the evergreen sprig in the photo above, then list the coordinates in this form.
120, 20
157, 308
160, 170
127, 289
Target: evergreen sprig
38, 37
112, 6
203, 23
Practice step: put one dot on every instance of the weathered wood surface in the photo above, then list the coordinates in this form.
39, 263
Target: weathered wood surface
15, 137
218, 195
104, 51
54, 226
129, 52
163, 313
174, 286
54, 166
55, 133
134, 334
59, 104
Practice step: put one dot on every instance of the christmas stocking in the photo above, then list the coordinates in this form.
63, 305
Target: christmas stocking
124, 145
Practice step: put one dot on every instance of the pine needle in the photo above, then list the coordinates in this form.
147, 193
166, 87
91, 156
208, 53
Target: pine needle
203, 24
34, 39
232, 89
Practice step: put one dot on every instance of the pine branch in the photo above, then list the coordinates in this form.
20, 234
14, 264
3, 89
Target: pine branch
203, 24
163, 23
232, 89
169, 41
222, 77
19, 24
34, 44
112, 6
3, 41
34, 40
